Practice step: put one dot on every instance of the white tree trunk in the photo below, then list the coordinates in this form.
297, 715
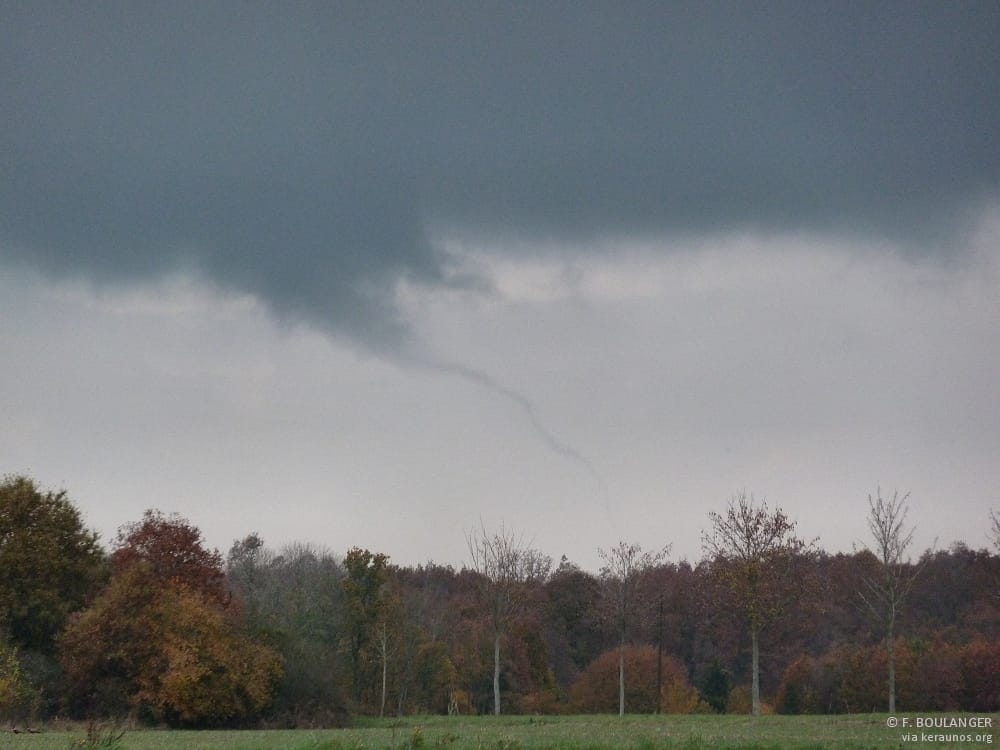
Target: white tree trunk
755, 691
384, 643
496, 674
891, 648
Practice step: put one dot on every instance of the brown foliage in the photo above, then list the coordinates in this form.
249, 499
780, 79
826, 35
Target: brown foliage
175, 655
596, 690
753, 551
980, 668
210, 674
755, 554
931, 676
797, 694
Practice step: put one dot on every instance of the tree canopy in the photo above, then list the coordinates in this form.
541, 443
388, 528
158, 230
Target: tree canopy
51, 562
177, 656
297, 636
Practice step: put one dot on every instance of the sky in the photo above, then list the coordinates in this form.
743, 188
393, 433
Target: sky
380, 274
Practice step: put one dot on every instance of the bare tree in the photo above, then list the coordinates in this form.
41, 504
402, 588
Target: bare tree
623, 569
508, 568
752, 551
887, 587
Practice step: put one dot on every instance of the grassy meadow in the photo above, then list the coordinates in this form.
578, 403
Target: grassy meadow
698, 732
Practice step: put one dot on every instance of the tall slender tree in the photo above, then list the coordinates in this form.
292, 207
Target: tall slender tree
507, 569
752, 550
886, 588
365, 603
624, 566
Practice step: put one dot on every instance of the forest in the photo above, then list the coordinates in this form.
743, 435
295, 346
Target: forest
162, 630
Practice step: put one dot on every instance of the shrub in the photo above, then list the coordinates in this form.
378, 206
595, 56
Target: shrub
542, 702
980, 664
596, 689
741, 702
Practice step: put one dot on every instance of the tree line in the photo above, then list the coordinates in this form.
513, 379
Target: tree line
163, 630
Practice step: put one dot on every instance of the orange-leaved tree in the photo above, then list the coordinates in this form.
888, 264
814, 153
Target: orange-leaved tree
595, 691
159, 642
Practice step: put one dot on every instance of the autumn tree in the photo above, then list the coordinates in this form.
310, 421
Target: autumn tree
623, 569
886, 588
752, 551
176, 655
50, 563
507, 569
594, 691
173, 550
212, 675
175, 658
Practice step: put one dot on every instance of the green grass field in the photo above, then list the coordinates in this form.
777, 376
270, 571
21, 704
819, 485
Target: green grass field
553, 733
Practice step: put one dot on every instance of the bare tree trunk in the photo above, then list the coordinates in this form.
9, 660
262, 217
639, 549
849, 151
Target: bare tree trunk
755, 690
384, 642
659, 657
496, 673
381, 711
891, 649
885, 593
621, 677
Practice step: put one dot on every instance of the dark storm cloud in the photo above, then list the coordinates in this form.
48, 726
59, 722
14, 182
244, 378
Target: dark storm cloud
310, 153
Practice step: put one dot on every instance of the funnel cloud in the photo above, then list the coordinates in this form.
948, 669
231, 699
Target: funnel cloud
541, 430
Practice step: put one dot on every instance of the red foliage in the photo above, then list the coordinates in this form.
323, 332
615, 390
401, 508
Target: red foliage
172, 548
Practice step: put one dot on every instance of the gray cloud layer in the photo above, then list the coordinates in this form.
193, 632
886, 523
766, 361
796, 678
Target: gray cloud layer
312, 153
